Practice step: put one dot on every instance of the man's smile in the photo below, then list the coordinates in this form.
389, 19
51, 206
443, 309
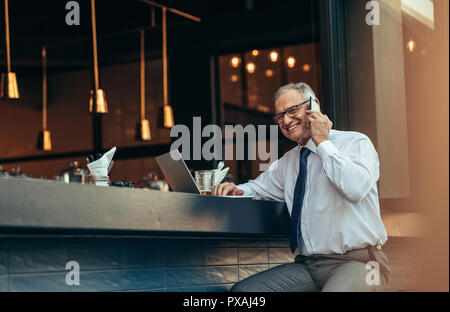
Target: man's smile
293, 126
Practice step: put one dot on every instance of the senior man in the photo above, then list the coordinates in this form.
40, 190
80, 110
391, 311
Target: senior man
329, 184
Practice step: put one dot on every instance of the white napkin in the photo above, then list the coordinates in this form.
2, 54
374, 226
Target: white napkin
101, 167
220, 173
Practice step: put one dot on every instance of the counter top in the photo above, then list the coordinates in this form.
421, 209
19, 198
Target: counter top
40, 206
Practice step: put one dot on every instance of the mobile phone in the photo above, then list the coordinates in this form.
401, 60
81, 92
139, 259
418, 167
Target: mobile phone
314, 106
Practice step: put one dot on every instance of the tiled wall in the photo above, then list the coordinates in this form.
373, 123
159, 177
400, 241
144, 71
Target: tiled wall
138, 264
134, 263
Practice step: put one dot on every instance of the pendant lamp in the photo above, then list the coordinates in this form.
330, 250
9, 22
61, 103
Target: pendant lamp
97, 101
167, 120
8, 88
167, 111
143, 126
44, 137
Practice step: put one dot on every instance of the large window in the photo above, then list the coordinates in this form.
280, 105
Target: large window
395, 75
248, 81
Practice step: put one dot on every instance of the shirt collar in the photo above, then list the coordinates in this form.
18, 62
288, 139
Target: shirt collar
309, 145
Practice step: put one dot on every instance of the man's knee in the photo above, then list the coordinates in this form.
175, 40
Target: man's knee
285, 277
243, 286
237, 287
349, 277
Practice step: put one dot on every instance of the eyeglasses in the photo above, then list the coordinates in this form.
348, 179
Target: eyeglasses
291, 111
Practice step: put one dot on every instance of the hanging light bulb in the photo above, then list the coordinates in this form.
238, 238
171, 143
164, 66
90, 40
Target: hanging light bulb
168, 117
8, 88
44, 137
273, 56
143, 127
411, 45
290, 61
269, 73
97, 100
235, 61
251, 68
167, 111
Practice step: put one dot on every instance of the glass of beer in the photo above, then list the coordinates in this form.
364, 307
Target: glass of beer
205, 180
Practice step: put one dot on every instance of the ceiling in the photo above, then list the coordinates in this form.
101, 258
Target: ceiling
34, 23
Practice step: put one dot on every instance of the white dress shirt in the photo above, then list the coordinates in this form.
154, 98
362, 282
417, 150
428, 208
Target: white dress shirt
340, 209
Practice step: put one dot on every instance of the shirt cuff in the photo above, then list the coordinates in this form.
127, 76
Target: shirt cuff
326, 149
246, 189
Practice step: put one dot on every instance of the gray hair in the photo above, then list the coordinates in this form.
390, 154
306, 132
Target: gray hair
301, 87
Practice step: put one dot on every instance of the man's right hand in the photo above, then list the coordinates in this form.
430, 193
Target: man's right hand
227, 188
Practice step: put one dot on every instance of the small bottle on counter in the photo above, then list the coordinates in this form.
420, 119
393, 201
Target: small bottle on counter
3, 172
17, 173
74, 174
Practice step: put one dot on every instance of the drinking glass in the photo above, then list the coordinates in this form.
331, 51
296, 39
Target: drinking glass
205, 181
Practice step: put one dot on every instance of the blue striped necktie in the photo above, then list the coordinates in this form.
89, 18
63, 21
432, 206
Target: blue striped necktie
299, 193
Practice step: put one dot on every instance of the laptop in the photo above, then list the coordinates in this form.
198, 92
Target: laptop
177, 174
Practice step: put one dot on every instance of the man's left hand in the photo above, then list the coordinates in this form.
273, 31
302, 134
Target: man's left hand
320, 126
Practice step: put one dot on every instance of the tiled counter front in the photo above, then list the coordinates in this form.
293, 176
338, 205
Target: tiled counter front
38, 263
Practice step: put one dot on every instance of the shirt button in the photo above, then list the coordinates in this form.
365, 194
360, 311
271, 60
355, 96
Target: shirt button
307, 244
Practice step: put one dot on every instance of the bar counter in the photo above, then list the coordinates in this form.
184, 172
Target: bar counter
133, 239
49, 206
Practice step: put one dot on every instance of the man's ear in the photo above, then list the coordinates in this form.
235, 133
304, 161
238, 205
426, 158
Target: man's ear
318, 103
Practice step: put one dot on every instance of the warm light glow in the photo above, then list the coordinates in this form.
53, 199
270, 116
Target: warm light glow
143, 130
235, 61
255, 52
251, 68
269, 73
9, 87
44, 141
411, 45
306, 68
273, 56
97, 102
234, 78
263, 108
47, 141
168, 117
290, 61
